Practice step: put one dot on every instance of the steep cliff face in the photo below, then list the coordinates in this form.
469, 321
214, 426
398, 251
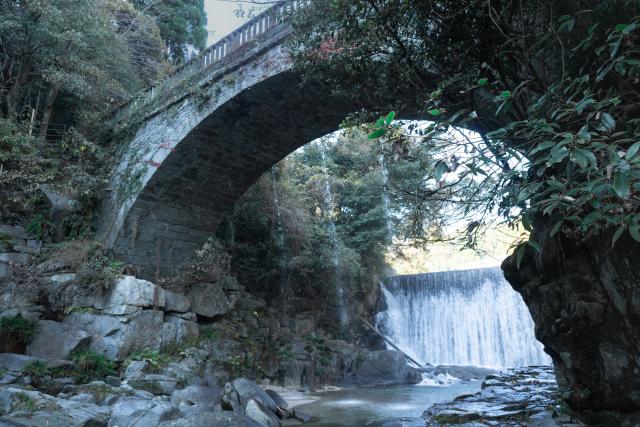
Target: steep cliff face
584, 297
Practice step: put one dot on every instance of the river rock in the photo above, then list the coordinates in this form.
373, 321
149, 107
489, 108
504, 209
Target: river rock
133, 411
261, 414
247, 390
464, 373
56, 340
384, 367
277, 398
510, 398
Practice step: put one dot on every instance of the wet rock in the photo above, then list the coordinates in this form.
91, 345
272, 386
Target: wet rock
510, 398
248, 390
56, 340
277, 398
384, 367
261, 414
464, 373
133, 411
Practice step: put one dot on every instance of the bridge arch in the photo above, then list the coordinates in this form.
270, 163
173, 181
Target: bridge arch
201, 140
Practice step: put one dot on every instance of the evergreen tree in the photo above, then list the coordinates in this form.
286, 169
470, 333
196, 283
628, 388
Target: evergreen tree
182, 25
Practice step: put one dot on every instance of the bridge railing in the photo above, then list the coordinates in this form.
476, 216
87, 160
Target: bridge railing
260, 24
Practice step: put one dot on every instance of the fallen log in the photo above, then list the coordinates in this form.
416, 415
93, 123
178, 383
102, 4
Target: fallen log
388, 341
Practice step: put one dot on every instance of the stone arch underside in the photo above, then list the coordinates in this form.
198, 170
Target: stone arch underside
197, 183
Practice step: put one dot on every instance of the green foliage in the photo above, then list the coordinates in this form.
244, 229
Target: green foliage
40, 227
18, 328
24, 402
36, 369
88, 365
182, 25
553, 99
156, 360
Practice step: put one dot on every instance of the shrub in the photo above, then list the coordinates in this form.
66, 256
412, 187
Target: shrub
18, 328
24, 403
37, 368
156, 360
40, 227
88, 365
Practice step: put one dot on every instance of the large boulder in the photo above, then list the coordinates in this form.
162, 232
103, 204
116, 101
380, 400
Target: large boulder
248, 390
384, 367
55, 340
118, 336
261, 415
127, 296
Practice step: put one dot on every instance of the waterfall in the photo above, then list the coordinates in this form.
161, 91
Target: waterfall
386, 203
283, 263
276, 205
333, 236
465, 317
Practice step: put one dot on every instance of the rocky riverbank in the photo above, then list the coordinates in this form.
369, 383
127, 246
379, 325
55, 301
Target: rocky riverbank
515, 397
79, 348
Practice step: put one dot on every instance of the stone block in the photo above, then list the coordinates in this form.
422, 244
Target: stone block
56, 340
15, 258
14, 231
176, 330
175, 301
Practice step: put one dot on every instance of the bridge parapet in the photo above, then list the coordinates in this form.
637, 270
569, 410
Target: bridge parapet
261, 28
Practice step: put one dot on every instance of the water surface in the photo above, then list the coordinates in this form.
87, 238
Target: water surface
374, 406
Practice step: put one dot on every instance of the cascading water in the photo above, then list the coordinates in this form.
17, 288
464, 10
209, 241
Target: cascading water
386, 203
279, 235
333, 235
465, 317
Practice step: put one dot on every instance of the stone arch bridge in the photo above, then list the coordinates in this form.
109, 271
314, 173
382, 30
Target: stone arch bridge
193, 144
